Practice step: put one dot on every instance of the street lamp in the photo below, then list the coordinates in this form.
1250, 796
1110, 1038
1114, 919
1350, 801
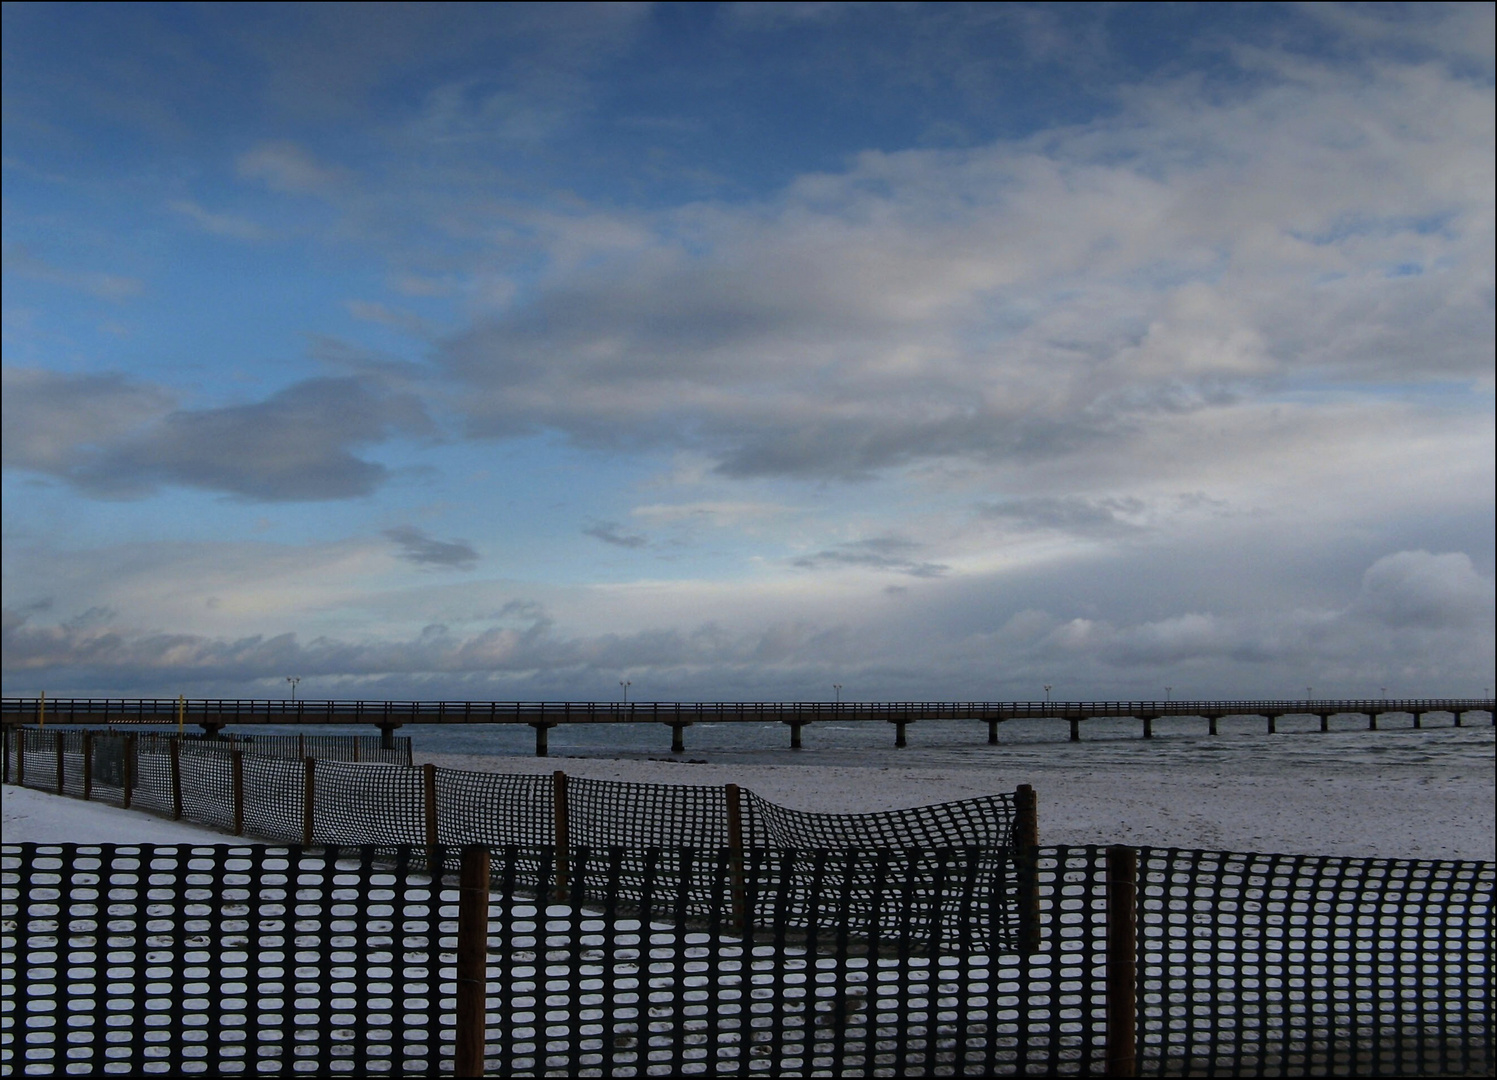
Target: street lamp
1385, 693
1309, 693
1047, 693
626, 683
1167, 691
837, 691
293, 680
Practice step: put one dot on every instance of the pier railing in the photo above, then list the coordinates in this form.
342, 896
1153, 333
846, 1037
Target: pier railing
125, 711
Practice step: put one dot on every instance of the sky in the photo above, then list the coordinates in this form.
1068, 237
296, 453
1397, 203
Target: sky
748, 352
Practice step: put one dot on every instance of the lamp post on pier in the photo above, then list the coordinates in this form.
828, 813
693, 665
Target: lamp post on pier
626, 683
293, 680
1047, 693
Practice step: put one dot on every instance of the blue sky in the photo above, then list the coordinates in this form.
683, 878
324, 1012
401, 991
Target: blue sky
737, 350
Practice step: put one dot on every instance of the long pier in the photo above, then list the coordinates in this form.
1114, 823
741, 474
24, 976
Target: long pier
212, 715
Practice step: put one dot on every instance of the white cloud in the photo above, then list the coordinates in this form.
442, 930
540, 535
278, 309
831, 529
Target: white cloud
1032, 299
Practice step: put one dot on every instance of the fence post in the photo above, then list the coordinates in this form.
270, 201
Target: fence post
1026, 841
563, 831
429, 793
308, 798
5, 742
57, 738
1122, 961
472, 963
236, 772
21, 757
735, 856
129, 768
88, 765
176, 758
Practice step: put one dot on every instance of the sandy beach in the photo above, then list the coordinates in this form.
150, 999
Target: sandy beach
1393, 794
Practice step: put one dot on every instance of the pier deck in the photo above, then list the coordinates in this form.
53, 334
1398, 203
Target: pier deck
213, 715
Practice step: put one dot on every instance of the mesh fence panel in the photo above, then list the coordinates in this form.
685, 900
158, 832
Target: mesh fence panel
1285, 964
981, 822
231, 960
607, 813
493, 809
360, 804
208, 788
228, 961
151, 779
221, 961
273, 798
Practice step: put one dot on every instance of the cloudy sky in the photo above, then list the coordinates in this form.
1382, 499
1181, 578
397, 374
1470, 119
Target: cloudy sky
736, 351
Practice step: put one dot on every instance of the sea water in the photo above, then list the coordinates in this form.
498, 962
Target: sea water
1242, 744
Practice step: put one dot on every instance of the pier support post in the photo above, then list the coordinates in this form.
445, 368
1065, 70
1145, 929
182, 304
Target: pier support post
1212, 721
992, 733
1372, 721
1148, 727
899, 740
1419, 720
795, 726
211, 728
1457, 718
387, 736
1075, 730
678, 737
1273, 724
1325, 721
542, 737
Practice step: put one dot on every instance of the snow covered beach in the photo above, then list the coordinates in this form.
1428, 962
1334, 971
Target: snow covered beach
1392, 794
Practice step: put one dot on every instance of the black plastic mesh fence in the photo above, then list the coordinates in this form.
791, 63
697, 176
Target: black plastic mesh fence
236, 960
359, 804
980, 822
39, 745
273, 798
1285, 964
228, 961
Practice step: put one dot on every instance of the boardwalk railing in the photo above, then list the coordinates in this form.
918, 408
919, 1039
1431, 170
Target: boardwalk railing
279, 961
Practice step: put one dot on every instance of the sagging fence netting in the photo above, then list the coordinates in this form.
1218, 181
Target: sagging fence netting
270, 961
332, 802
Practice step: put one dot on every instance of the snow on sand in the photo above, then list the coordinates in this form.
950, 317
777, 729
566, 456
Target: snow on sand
1409, 804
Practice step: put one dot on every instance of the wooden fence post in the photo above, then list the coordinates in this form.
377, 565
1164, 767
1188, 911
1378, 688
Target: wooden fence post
472, 963
308, 798
735, 856
129, 768
5, 744
20, 757
1026, 841
1122, 961
176, 759
562, 832
57, 738
236, 772
88, 765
